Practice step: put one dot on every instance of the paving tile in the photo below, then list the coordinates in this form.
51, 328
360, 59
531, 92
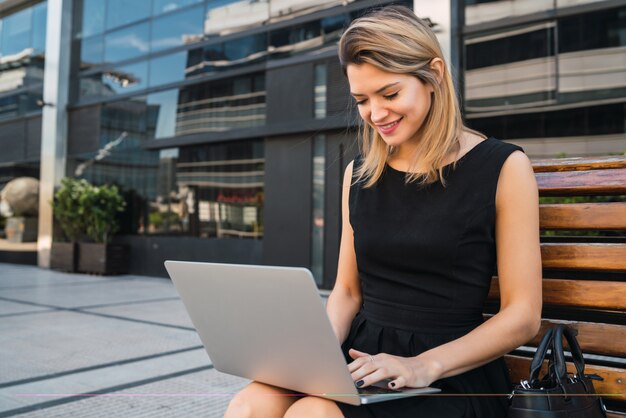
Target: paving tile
8, 308
167, 312
202, 394
118, 291
88, 382
36, 345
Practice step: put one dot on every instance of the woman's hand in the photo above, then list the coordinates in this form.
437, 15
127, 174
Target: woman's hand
414, 372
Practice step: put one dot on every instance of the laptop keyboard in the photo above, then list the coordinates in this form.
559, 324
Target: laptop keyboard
375, 390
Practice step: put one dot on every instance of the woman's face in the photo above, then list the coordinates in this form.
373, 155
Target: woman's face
393, 104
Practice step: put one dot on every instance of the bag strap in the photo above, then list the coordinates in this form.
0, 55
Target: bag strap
559, 356
540, 355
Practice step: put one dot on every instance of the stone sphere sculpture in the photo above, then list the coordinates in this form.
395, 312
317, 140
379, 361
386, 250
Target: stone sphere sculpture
22, 196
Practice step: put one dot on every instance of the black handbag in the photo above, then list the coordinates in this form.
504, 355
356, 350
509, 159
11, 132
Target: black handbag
557, 394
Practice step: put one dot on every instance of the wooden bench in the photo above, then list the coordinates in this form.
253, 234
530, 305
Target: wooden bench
584, 276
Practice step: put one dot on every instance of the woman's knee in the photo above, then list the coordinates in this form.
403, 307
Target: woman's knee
312, 407
258, 400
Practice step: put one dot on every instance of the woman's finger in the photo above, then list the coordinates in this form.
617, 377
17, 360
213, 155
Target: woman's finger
398, 383
372, 378
355, 354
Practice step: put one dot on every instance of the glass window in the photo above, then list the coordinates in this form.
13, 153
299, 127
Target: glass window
16, 32
592, 120
127, 43
91, 51
505, 49
162, 111
333, 27
164, 6
229, 16
317, 226
319, 87
296, 39
221, 105
604, 29
39, 27
177, 29
90, 86
125, 79
121, 12
168, 69
219, 192
245, 50
92, 18
8, 106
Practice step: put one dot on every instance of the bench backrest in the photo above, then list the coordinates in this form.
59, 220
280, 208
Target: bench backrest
584, 273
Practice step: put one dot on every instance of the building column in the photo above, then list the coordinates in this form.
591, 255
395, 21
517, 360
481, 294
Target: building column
54, 119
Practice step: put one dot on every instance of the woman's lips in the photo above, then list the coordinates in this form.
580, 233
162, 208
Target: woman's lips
389, 128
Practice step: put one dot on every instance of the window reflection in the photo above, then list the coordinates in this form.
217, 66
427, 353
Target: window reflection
164, 6
317, 227
210, 191
125, 79
162, 109
168, 69
319, 93
177, 29
228, 16
16, 32
121, 12
91, 51
127, 43
515, 68
294, 39
221, 105
92, 22
39, 28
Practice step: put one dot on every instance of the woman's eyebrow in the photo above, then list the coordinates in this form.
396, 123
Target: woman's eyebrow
383, 88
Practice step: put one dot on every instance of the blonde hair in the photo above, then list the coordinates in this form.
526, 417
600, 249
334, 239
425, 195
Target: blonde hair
394, 40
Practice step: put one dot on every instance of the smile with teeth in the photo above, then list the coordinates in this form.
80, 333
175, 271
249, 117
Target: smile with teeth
390, 125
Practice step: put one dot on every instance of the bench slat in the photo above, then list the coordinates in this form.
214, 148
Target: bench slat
596, 338
583, 216
584, 293
582, 183
614, 379
579, 163
593, 256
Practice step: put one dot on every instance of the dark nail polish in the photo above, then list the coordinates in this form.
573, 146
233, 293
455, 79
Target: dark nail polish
359, 383
393, 385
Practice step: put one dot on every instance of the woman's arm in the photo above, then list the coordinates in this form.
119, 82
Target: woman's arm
519, 273
345, 300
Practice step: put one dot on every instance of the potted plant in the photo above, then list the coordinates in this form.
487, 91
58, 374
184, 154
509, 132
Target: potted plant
69, 215
100, 206
87, 217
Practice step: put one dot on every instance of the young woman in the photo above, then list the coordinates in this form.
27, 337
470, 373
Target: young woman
429, 208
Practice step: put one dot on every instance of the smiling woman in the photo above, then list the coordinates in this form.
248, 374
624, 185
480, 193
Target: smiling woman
429, 207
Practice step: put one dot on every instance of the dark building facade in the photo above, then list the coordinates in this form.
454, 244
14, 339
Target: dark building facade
227, 124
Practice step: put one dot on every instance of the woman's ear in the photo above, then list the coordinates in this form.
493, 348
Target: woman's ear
437, 65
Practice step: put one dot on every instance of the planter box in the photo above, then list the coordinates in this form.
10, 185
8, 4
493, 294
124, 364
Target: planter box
21, 229
103, 259
63, 256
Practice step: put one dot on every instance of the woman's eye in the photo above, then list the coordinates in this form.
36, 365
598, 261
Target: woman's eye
390, 96
360, 102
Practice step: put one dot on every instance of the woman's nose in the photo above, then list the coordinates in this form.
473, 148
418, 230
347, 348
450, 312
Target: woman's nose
378, 113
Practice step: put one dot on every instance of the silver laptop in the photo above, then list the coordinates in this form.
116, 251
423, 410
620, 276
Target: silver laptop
269, 324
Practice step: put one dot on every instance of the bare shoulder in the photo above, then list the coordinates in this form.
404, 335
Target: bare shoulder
517, 179
347, 176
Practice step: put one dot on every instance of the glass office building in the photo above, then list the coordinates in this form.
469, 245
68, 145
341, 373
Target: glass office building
549, 75
227, 124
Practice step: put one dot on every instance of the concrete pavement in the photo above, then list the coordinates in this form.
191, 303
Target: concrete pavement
89, 346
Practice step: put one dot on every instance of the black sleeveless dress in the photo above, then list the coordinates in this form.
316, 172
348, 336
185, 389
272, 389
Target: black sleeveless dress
425, 257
